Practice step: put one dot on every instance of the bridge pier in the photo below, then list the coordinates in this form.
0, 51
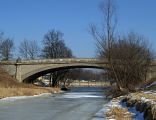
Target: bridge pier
18, 74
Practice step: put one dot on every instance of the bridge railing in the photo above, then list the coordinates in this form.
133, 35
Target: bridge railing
58, 60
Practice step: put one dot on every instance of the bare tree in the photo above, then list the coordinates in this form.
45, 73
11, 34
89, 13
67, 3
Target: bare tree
80, 74
128, 57
1, 40
6, 48
106, 36
54, 47
23, 49
33, 50
130, 61
29, 49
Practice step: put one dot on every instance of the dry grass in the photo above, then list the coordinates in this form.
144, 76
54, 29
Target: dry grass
7, 81
9, 92
118, 114
104, 84
139, 95
10, 87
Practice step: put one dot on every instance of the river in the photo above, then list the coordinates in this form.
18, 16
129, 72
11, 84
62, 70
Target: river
76, 104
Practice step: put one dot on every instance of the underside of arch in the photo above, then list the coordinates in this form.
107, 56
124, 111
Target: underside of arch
35, 74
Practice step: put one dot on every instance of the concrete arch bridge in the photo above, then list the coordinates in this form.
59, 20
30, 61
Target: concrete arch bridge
31, 69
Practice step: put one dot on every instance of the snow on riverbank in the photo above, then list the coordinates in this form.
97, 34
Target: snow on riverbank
101, 114
116, 104
23, 97
154, 83
136, 114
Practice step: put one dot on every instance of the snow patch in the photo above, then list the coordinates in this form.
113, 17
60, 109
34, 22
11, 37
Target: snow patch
154, 83
22, 97
136, 114
100, 115
80, 95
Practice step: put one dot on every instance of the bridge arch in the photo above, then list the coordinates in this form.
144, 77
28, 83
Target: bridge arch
32, 75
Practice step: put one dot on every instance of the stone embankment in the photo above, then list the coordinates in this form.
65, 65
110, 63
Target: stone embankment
143, 103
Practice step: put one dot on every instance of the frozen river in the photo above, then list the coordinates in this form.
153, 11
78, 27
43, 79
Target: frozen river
77, 104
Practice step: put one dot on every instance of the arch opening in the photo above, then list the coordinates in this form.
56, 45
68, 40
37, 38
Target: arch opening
34, 75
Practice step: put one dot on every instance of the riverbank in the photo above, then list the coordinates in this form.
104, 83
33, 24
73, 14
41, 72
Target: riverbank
139, 105
27, 91
9, 87
6, 99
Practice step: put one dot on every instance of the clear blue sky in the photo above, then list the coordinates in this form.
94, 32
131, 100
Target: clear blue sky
31, 19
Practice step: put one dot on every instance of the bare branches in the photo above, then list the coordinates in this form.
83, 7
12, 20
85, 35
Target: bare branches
6, 47
23, 49
54, 47
106, 36
128, 56
29, 49
130, 59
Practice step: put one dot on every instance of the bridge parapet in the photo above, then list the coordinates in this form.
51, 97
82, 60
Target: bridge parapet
66, 60
56, 61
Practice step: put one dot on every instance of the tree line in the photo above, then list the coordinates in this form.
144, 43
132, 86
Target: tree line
77, 74
53, 46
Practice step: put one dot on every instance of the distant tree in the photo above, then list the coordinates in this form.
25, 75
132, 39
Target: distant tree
29, 49
6, 47
34, 49
1, 37
1, 40
81, 74
54, 47
23, 49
